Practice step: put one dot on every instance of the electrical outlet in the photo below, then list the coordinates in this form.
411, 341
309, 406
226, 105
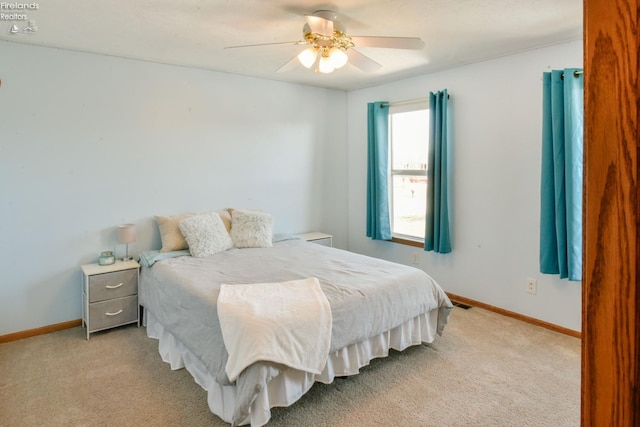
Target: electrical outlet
532, 286
416, 258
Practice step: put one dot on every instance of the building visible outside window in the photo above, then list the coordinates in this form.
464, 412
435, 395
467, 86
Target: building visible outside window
409, 147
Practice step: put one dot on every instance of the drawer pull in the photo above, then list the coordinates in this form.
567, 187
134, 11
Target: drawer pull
114, 286
114, 314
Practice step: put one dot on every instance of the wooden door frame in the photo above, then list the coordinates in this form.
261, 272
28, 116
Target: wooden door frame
610, 301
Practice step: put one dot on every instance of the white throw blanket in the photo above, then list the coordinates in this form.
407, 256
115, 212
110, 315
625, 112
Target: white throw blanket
288, 323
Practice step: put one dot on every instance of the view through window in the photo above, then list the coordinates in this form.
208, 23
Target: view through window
409, 146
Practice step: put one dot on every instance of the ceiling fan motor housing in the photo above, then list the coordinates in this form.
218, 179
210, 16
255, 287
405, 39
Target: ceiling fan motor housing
335, 37
329, 15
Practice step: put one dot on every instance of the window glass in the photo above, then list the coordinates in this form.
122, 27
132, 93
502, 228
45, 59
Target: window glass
409, 145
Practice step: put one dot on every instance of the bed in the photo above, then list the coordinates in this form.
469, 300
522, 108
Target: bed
375, 305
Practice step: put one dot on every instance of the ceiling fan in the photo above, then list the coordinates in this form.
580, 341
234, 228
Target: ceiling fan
330, 48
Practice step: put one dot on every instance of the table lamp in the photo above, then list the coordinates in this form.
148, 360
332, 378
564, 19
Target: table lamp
126, 235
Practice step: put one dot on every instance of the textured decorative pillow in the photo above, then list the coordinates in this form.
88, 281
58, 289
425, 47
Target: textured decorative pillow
205, 234
170, 235
250, 229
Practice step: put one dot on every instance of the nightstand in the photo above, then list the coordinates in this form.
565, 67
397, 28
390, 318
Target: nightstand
319, 238
109, 295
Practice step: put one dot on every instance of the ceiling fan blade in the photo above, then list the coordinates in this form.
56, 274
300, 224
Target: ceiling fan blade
361, 61
266, 44
388, 42
320, 25
289, 65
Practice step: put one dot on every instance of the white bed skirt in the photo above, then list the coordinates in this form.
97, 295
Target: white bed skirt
291, 384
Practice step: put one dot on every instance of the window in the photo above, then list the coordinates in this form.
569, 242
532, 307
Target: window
409, 147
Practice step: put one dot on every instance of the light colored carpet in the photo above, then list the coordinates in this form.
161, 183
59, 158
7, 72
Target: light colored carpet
486, 370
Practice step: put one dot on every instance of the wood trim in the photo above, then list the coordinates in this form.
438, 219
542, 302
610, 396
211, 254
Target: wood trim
514, 315
40, 331
408, 242
611, 291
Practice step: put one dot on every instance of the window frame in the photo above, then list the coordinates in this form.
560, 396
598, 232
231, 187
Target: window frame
414, 105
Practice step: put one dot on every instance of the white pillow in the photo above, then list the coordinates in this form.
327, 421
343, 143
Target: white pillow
250, 229
205, 234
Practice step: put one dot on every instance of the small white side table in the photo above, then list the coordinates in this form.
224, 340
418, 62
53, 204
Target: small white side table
317, 237
110, 295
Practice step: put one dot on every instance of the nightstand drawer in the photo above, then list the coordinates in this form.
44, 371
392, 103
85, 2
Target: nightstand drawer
114, 312
113, 285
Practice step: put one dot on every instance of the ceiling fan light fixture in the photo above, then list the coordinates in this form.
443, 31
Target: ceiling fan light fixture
337, 57
325, 66
308, 57
328, 47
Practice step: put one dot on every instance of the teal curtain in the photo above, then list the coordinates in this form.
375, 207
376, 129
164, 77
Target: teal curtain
437, 237
378, 219
561, 183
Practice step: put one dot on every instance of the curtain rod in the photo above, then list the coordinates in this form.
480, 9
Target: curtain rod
407, 101
575, 74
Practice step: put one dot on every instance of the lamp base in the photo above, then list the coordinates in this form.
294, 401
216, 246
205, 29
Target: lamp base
126, 258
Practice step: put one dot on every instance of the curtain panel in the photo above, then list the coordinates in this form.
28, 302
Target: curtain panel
561, 174
437, 237
378, 218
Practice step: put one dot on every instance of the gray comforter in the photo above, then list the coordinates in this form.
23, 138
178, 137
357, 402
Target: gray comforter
367, 297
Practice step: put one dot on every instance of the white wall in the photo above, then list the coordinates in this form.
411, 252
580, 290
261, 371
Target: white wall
496, 115
88, 142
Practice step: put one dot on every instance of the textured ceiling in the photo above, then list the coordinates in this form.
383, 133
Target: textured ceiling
194, 33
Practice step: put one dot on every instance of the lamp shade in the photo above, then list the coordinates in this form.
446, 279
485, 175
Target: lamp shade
126, 233
337, 57
325, 65
308, 57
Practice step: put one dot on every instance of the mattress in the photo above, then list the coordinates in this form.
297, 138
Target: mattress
368, 297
